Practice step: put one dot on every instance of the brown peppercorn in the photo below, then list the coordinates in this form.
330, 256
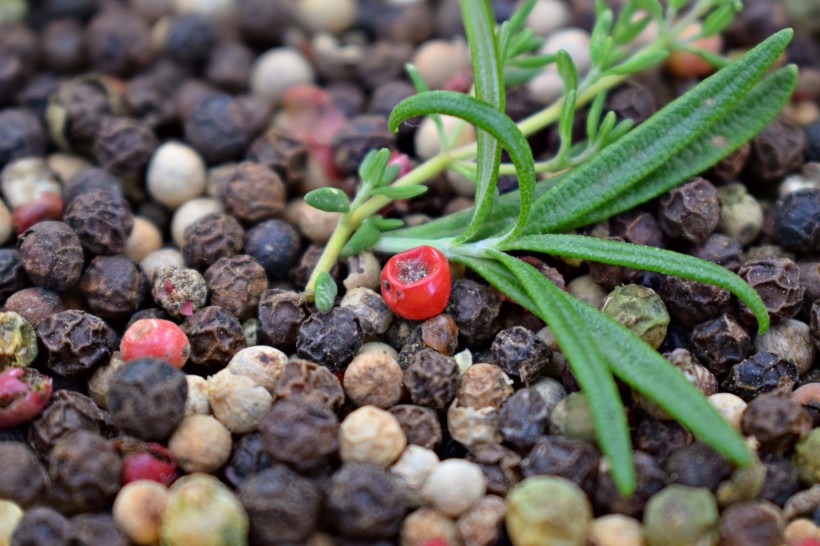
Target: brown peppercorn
730, 166
501, 466
777, 281
609, 275
432, 379
373, 379
777, 420
67, 412
217, 127
483, 385
523, 418
283, 507
146, 398
761, 372
281, 313
521, 353
721, 343
421, 425
52, 255
236, 283
34, 304
84, 472
299, 432
96, 530
697, 465
649, 479
281, 152
12, 273
113, 287
215, 336
311, 381
229, 65
364, 502
63, 46
690, 212
300, 274
42, 526
474, 307
720, 249
756, 522
118, 43
211, 237
809, 396
691, 302
658, 438
331, 339
22, 477
636, 227
776, 151
440, 333
76, 341
252, 193
124, 145
247, 458
575, 460
101, 221
358, 136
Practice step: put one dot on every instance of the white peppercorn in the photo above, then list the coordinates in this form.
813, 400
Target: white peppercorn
741, 216
379, 347
263, 364
197, 402
188, 213
586, 289
237, 401
327, 15
470, 426
547, 16
426, 525
411, 472
138, 509
363, 271
615, 530
481, 524
371, 435
427, 140
159, 259
790, 340
99, 382
551, 390
571, 417
373, 379
175, 174
454, 486
730, 406
278, 69
317, 225
10, 516
144, 239
200, 443
23, 179
438, 61
6, 227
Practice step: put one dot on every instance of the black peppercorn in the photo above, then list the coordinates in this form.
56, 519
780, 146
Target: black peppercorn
312, 382
777, 420
211, 237
276, 245
118, 43
282, 506
363, 501
690, 302
636, 227
331, 339
146, 398
812, 131
216, 127
252, 193
63, 46
52, 255
501, 467
632, 101
523, 418
34, 304
229, 66
610, 276
42, 526
300, 274
690, 212
22, 477
776, 151
68, 411
113, 287
432, 379
89, 179
721, 343
796, 221
358, 136
215, 336
575, 460
730, 166
281, 313
761, 372
781, 480
236, 283
21, 135
659, 438
421, 425
697, 465
474, 307
83, 471
146, 95
720, 249
76, 341
247, 458
751, 523
777, 281
262, 22
96, 530
124, 145
188, 39
101, 221
12, 273
281, 152
299, 432
521, 353
649, 479
13, 76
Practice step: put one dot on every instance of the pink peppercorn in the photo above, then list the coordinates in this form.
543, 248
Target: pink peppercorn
149, 461
24, 392
46, 205
436, 542
157, 338
809, 542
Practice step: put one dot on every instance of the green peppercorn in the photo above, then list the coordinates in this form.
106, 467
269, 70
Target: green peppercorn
681, 516
18, 341
807, 458
547, 511
641, 310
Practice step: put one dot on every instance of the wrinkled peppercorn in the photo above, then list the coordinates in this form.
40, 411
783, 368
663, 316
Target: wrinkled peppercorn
300, 274
636, 227
776, 151
229, 65
22, 477
331, 339
611, 276
118, 43
751, 523
690, 212
283, 153
358, 136
432, 379
521, 353
483, 385
474, 307
101, 221
69, 411
52, 255
90, 179
113, 287
247, 458
523, 418
281, 313
501, 466
311, 381
781, 479
34, 304
282, 506
252, 193
21, 135
124, 145
146, 398
180, 291
236, 283
299, 432
83, 471
76, 341
12, 273
720, 249
777, 281
96, 530
721, 343
777, 420
691, 302
659, 438
275, 245
215, 336
364, 502
421, 425
697, 465
211, 237
649, 479
217, 128
761, 372
63, 46
575, 460
42, 526
796, 221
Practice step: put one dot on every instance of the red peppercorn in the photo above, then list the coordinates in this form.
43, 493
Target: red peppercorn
415, 283
157, 338
809, 542
435, 542
149, 461
24, 392
46, 205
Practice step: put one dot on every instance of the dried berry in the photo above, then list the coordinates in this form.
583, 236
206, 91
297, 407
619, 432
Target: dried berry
252, 193
211, 237
371, 310
118, 43
69, 411
721, 343
371, 435
96, 530
374, 379
216, 127
680, 515
236, 284
34, 304
145, 461
797, 216
215, 336
76, 342
113, 287
523, 418
690, 212
777, 420
641, 310
649, 479
521, 353
776, 151
761, 372
42, 526
299, 433
52, 255
331, 339
432, 379
751, 522
420, 425
281, 152
777, 281
12, 273
281, 313
84, 472
124, 145
101, 221
474, 307
22, 476
21, 135
501, 466
180, 291
314, 382
146, 398
238, 401
24, 392
359, 135
690, 302
18, 341
155, 338
483, 385
697, 465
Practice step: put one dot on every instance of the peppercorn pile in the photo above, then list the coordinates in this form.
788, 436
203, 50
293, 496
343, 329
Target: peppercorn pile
162, 378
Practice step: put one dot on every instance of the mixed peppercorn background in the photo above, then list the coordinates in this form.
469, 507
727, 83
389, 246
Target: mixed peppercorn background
162, 377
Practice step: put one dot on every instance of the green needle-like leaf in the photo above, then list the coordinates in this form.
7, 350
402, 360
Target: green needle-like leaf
400, 192
589, 366
647, 258
485, 117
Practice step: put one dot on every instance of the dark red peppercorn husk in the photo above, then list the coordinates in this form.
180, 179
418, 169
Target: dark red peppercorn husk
311, 381
299, 432
69, 411
215, 336
113, 287
432, 379
331, 339
236, 284
777, 420
76, 342
421, 425
101, 221
52, 255
22, 476
84, 472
